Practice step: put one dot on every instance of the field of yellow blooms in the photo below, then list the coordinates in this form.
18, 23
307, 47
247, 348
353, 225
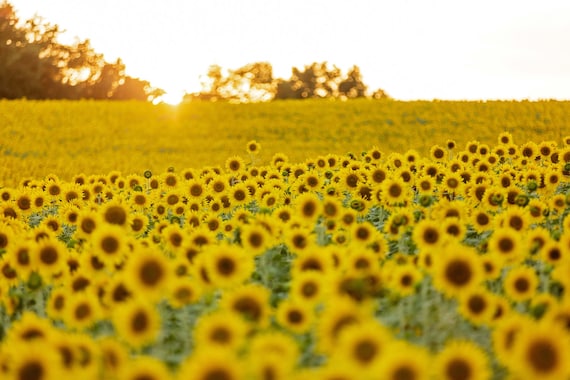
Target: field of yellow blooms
154, 250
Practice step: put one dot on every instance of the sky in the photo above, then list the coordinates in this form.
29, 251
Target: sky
412, 49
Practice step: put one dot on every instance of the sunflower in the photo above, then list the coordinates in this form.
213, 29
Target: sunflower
250, 301
338, 314
457, 268
362, 346
425, 185
452, 184
136, 322
516, 218
554, 252
476, 306
405, 361
268, 366
506, 244
437, 153
228, 265
34, 361
394, 191
307, 287
50, 256
211, 362
31, 327
115, 213
239, 194
116, 292
505, 138
454, 228
145, 367
254, 238
363, 233
235, 164
196, 189
114, 356
314, 259
109, 244
87, 222
295, 316
308, 207
221, 329
537, 238
8, 275
299, 239
275, 343
7, 235
428, 234
404, 279
520, 283
57, 302
492, 266
148, 272
540, 353
82, 311
183, 291
461, 360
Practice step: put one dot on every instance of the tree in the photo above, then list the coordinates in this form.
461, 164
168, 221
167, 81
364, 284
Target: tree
352, 86
255, 82
316, 80
252, 82
35, 66
136, 89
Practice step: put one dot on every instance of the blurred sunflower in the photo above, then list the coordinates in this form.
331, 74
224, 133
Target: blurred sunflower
362, 346
461, 360
295, 316
221, 329
145, 367
476, 306
50, 255
148, 272
250, 301
540, 352
405, 361
520, 283
211, 362
228, 265
109, 244
136, 322
456, 269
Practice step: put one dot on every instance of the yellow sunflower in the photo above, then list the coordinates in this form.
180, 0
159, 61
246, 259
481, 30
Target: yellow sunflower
457, 268
461, 360
211, 362
136, 322
542, 352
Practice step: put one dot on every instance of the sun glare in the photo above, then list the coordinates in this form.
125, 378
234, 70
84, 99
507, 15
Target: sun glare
172, 98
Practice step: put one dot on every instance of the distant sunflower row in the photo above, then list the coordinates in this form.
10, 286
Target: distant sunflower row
454, 265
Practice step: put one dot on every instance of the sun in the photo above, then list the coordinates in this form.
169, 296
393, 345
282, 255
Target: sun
172, 98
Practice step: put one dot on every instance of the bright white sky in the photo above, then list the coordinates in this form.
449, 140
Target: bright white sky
413, 49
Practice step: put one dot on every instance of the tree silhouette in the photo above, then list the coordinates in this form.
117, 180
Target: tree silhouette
252, 82
255, 82
35, 66
352, 86
316, 80
136, 89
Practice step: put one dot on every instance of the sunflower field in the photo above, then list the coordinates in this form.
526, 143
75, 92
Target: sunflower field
227, 242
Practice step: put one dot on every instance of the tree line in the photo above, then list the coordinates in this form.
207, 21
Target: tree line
255, 82
34, 65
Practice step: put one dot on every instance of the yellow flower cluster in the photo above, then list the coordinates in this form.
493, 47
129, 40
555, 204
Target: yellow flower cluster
38, 138
454, 265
